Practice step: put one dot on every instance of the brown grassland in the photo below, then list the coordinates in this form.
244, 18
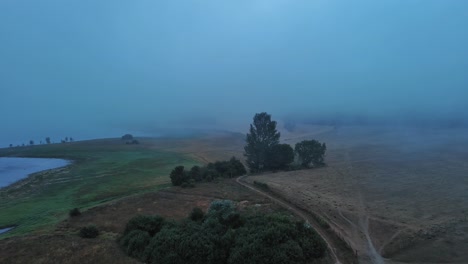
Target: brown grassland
396, 196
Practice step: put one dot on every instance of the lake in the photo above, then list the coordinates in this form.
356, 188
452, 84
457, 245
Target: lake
15, 169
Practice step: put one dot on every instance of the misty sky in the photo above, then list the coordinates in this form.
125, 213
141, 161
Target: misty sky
88, 68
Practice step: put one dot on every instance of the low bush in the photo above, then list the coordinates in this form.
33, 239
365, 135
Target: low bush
74, 212
150, 224
219, 169
90, 231
196, 214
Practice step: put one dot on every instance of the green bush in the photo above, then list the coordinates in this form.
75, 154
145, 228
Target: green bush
74, 212
90, 231
225, 236
135, 242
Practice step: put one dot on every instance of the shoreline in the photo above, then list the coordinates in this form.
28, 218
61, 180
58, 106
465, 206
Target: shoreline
18, 169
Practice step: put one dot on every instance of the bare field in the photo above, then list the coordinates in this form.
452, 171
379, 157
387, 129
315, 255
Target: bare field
396, 196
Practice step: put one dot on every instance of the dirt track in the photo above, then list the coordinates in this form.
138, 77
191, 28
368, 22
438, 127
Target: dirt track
331, 241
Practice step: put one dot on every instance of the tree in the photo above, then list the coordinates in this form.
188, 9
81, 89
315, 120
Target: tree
262, 137
11, 145
281, 156
178, 176
311, 151
31, 142
47, 139
127, 137
195, 173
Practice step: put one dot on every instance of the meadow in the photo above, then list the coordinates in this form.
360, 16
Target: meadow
101, 171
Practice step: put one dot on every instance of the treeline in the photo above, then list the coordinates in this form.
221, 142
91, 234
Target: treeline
223, 235
46, 141
263, 151
219, 169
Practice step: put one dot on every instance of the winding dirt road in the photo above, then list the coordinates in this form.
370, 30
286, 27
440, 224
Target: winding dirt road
330, 242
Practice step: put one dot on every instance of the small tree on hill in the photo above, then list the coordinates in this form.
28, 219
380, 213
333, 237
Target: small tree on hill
311, 151
31, 142
47, 139
127, 137
281, 156
262, 137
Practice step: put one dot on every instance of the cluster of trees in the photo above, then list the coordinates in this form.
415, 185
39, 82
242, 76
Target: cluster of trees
224, 169
130, 140
223, 235
264, 152
67, 139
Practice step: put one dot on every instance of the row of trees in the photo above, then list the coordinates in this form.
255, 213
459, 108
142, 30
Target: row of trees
225, 169
47, 141
264, 152
223, 235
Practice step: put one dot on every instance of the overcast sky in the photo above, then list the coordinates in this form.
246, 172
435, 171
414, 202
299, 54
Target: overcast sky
88, 68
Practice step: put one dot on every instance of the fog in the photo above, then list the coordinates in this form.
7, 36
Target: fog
88, 69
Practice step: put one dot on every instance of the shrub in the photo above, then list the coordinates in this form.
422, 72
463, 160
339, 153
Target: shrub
196, 214
188, 184
74, 212
135, 242
90, 231
261, 185
150, 224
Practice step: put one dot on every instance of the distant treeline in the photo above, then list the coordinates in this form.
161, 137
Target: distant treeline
219, 169
47, 140
420, 121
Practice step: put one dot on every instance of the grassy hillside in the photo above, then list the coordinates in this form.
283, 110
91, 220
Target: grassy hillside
102, 170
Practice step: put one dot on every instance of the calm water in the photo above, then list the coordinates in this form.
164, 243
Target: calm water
4, 230
14, 169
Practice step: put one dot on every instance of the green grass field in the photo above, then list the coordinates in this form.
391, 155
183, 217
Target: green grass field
102, 170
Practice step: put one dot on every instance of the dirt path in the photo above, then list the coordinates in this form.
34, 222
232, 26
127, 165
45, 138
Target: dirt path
330, 242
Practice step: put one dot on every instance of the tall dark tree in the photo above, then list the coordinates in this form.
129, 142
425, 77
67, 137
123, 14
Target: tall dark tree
311, 151
31, 142
262, 137
280, 156
178, 176
47, 139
